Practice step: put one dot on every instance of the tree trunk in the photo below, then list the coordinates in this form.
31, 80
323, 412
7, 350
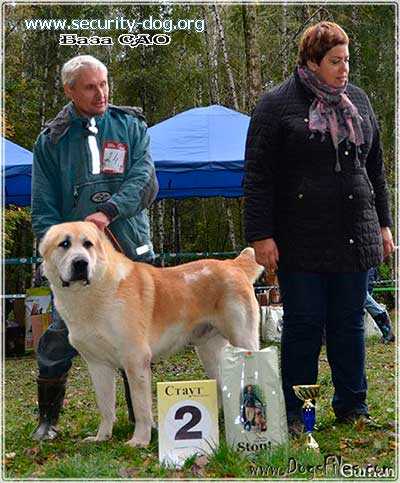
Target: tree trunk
176, 226
226, 58
253, 64
160, 224
231, 224
212, 56
357, 61
285, 16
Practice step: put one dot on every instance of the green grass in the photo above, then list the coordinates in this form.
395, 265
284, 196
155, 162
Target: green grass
68, 457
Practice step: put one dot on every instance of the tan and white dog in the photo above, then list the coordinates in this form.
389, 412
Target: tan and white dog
123, 314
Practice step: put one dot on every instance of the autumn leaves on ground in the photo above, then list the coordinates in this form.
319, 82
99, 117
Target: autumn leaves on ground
68, 457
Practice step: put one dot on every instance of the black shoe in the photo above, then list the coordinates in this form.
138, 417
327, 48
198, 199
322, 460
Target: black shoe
295, 428
50, 398
357, 418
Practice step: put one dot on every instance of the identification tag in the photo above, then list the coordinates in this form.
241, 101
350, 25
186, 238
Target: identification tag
114, 157
187, 420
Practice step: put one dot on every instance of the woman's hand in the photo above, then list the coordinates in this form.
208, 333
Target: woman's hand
266, 253
388, 244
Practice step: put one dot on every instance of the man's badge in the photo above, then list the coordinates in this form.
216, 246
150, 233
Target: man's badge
114, 157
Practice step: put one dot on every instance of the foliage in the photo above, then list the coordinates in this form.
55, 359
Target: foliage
18, 242
166, 80
70, 458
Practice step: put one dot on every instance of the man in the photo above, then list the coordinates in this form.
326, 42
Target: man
91, 163
376, 311
249, 403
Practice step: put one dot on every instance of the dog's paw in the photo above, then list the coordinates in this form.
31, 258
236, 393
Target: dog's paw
90, 439
138, 443
95, 439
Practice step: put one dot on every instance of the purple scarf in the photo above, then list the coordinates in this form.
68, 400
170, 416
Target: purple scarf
332, 111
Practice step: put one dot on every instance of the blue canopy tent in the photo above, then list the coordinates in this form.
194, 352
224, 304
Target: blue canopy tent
199, 152
17, 174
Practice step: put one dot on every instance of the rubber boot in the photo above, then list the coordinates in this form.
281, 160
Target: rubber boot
50, 397
383, 322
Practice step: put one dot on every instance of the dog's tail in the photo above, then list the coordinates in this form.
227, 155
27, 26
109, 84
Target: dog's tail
247, 262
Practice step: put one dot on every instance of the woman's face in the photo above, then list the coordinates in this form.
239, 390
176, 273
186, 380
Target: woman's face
334, 67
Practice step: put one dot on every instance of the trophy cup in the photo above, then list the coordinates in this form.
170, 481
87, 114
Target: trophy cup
307, 393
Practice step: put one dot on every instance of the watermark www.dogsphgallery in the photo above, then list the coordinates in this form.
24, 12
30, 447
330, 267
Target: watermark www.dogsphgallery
333, 466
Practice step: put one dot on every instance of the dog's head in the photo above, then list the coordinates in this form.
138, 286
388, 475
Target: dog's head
73, 254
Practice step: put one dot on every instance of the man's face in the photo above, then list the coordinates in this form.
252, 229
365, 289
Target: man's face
89, 92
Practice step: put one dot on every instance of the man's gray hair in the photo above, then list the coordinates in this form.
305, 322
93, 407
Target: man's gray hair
70, 70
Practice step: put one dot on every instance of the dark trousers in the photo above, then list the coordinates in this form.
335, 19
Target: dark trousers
55, 353
310, 302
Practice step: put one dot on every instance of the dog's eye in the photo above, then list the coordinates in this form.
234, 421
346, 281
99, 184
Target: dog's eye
65, 244
87, 244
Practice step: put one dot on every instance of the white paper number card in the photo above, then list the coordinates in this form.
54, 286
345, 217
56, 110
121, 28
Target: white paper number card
187, 420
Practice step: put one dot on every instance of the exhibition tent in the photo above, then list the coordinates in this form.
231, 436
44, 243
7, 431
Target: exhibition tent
199, 152
17, 162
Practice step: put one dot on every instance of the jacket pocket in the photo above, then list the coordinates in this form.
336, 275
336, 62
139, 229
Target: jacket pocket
85, 191
314, 204
87, 196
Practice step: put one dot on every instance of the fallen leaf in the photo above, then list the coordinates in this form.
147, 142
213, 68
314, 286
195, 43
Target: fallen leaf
393, 444
10, 456
361, 442
345, 443
32, 451
201, 460
37, 474
175, 474
198, 466
359, 425
129, 472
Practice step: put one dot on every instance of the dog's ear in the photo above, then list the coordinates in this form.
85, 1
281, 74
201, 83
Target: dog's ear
46, 242
101, 241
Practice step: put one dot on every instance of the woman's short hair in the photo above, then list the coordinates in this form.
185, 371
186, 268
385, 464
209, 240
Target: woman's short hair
70, 70
318, 39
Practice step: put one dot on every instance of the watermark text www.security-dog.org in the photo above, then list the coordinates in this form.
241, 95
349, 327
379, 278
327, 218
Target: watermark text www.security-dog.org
332, 466
132, 36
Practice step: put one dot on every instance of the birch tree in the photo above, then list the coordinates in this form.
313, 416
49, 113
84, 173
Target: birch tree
227, 64
253, 61
211, 40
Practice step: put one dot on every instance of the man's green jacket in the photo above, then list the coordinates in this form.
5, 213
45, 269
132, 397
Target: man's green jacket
64, 187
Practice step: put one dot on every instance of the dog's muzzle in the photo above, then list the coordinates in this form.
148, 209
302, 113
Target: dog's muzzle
79, 270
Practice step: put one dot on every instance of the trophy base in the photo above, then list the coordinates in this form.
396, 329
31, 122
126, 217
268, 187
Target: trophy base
311, 443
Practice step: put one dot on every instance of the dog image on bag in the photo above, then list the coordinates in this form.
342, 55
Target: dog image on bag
124, 315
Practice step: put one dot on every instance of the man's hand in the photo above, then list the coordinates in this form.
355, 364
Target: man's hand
99, 219
266, 253
388, 244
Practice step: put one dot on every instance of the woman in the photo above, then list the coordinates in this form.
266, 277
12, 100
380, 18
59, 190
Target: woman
317, 208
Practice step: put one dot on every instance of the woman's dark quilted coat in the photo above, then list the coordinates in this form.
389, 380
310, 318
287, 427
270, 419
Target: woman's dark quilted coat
321, 220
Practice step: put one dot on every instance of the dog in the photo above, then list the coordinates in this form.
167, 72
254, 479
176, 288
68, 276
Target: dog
259, 421
123, 314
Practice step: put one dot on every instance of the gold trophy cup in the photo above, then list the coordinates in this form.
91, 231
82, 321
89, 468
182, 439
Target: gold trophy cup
308, 393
